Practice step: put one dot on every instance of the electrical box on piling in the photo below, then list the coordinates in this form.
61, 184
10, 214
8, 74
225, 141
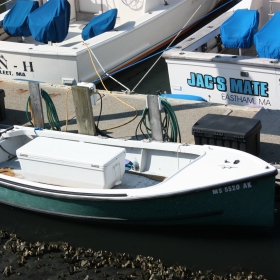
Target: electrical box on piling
84, 96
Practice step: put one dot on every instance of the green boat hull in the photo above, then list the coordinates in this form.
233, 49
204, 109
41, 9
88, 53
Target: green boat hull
246, 203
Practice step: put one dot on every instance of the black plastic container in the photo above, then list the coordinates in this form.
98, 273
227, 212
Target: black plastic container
228, 131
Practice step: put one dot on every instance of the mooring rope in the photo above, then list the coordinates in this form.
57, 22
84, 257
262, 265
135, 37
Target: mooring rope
105, 73
5, 2
178, 34
135, 63
136, 113
155, 54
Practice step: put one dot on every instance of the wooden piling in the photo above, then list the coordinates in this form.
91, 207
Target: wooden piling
155, 117
36, 104
83, 109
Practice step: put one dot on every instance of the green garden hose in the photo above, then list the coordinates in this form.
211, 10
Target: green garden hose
169, 122
50, 110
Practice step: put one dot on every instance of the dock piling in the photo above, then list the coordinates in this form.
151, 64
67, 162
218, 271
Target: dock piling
153, 103
36, 104
83, 109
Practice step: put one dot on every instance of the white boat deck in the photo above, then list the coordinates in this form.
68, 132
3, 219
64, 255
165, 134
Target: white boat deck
70, 61
194, 41
129, 180
73, 37
205, 33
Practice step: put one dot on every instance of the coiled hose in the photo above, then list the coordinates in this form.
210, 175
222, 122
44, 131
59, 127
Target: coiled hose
169, 122
50, 110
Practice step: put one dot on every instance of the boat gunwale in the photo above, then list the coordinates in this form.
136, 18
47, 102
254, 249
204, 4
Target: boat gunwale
17, 186
95, 42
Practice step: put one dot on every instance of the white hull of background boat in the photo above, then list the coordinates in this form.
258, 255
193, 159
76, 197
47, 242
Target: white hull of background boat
202, 67
141, 28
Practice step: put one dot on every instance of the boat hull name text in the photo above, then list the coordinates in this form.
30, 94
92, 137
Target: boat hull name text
25, 67
238, 86
232, 188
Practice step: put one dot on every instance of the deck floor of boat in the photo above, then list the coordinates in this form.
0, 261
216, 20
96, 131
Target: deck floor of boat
129, 180
246, 52
14, 167
73, 37
135, 181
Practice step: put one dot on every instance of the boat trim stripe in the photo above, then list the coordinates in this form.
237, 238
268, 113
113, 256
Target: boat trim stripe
36, 191
133, 219
97, 196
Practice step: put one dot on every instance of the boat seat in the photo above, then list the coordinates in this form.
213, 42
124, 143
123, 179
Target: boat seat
267, 40
15, 22
238, 31
50, 22
100, 24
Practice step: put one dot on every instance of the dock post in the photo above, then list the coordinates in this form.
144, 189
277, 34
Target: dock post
36, 104
153, 103
83, 109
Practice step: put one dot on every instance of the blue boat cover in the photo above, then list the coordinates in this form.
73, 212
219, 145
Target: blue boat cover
16, 20
238, 31
267, 40
50, 22
100, 24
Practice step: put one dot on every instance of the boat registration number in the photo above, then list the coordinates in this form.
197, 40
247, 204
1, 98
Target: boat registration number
232, 188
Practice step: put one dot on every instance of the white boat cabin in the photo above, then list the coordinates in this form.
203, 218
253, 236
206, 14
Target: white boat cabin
136, 29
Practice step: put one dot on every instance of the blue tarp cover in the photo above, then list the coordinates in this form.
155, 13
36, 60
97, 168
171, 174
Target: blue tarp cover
267, 40
239, 30
50, 23
16, 20
100, 24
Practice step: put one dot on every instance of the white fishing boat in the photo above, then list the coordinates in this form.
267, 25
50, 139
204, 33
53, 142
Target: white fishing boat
66, 42
133, 182
232, 60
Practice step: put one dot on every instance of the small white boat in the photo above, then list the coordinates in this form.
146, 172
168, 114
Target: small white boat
232, 60
88, 177
139, 28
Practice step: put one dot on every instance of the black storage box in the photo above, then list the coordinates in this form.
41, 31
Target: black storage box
228, 131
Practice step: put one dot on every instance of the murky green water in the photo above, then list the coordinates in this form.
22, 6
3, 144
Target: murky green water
224, 250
